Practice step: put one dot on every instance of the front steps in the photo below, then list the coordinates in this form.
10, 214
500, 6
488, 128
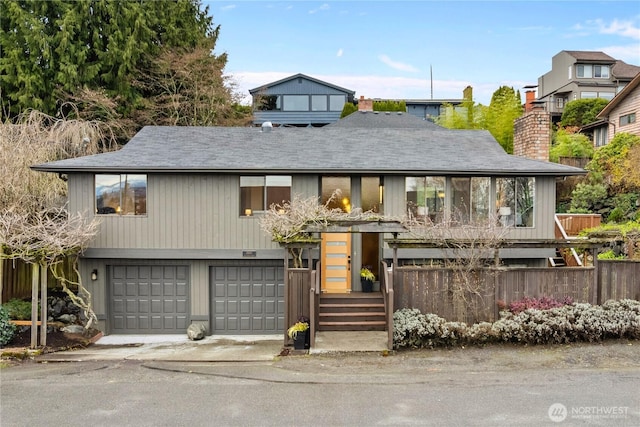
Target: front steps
558, 260
356, 311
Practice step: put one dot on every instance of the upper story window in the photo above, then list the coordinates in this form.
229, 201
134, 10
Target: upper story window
604, 95
295, 102
425, 197
124, 194
515, 201
318, 102
258, 193
588, 71
299, 102
560, 101
267, 102
627, 119
336, 102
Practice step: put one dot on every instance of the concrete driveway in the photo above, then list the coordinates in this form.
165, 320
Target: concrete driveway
237, 348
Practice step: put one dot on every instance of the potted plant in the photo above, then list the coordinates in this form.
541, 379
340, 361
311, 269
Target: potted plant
298, 333
366, 279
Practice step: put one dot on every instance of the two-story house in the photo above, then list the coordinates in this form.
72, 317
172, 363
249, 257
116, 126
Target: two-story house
180, 238
580, 75
619, 115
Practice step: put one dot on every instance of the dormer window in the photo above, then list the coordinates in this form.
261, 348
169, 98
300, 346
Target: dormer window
588, 71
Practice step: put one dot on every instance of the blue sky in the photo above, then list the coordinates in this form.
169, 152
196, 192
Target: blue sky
385, 49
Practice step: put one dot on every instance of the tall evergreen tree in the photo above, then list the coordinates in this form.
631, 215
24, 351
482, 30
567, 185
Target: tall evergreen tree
499, 116
58, 46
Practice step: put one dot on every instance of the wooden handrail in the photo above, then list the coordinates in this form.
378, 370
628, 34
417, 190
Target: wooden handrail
564, 234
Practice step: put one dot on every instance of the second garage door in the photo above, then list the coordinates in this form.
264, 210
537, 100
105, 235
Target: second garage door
247, 299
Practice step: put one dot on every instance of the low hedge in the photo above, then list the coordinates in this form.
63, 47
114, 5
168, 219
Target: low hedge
568, 323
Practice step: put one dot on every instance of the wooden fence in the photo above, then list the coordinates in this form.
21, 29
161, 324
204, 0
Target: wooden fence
432, 290
16, 279
298, 285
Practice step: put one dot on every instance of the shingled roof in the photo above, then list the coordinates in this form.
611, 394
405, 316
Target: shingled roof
585, 55
174, 149
383, 119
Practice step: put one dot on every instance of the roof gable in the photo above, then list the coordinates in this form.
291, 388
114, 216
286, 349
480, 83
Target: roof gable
299, 76
626, 91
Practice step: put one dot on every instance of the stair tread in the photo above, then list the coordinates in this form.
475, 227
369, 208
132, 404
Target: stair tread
370, 313
364, 322
351, 305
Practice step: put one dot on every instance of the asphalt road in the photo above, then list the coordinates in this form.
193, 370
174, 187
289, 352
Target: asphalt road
536, 386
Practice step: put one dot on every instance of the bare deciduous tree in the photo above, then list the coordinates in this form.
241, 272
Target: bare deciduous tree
466, 249
287, 223
35, 225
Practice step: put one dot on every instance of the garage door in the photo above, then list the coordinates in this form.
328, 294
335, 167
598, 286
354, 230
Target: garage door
150, 299
247, 299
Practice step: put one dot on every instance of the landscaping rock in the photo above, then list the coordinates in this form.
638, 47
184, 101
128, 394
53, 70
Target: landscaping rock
67, 318
73, 329
196, 331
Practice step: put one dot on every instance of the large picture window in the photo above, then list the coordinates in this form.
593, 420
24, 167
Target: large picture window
295, 103
515, 201
336, 102
258, 193
124, 194
426, 197
470, 199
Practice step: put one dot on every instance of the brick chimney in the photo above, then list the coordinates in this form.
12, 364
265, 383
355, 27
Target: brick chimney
530, 96
532, 134
365, 104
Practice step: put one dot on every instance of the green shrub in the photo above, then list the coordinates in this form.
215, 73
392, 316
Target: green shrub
7, 329
18, 309
588, 197
616, 215
569, 323
610, 254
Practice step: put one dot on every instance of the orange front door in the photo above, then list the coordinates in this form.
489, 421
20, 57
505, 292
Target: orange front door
336, 263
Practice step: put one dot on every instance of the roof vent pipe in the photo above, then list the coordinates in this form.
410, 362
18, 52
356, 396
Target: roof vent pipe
267, 127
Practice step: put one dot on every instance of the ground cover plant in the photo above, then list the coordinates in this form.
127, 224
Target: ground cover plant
564, 324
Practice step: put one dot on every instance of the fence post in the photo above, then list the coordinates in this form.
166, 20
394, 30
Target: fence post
43, 304
34, 304
596, 276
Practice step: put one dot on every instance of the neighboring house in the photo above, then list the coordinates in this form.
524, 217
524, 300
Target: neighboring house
426, 109
619, 115
180, 238
383, 119
299, 100
579, 75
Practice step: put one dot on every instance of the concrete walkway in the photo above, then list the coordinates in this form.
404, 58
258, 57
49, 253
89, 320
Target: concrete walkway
237, 348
